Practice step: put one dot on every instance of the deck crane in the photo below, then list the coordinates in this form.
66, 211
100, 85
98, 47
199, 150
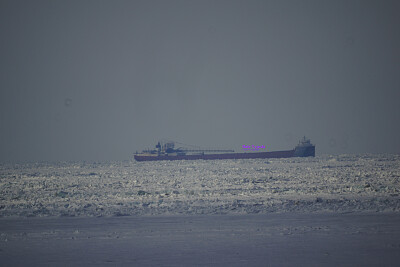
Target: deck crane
169, 148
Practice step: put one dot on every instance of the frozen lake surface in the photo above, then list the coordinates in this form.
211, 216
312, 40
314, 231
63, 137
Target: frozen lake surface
329, 210
345, 183
286, 239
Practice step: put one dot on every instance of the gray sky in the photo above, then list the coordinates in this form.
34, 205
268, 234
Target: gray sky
98, 80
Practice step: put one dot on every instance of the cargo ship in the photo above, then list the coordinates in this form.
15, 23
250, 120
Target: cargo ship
167, 151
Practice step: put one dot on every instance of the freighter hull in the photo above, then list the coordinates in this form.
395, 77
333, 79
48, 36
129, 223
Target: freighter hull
258, 155
168, 152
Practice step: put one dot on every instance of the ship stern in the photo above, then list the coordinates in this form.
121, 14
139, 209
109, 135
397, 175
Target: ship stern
304, 149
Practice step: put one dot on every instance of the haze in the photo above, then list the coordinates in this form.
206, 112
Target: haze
99, 80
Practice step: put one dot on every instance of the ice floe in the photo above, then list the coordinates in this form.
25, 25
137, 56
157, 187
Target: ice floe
342, 183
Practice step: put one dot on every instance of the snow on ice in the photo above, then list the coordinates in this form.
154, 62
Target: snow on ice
343, 183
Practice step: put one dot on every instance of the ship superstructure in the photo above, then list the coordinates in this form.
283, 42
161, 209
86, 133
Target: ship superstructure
304, 148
